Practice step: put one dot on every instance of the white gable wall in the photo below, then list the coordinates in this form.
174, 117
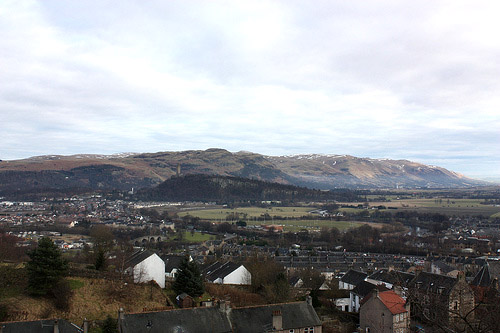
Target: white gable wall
239, 276
171, 274
151, 268
377, 282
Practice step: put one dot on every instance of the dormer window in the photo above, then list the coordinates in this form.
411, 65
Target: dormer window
419, 285
440, 290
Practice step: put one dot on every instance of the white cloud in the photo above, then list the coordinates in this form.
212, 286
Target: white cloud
396, 79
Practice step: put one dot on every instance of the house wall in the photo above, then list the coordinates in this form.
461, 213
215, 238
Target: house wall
377, 282
441, 308
346, 286
152, 268
461, 303
342, 304
171, 274
313, 329
239, 276
354, 302
401, 322
375, 316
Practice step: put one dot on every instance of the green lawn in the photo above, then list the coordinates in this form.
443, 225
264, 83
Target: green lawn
196, 237
75, 284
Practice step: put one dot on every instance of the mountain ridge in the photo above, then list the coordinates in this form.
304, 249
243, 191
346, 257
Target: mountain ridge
126, 170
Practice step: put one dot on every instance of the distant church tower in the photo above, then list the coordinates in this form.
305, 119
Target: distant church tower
178, 169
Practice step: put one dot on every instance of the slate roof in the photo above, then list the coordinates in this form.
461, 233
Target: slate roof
489, 272
294, 280
392, 301
260, 318
392, 277
137, 257
443, 267
216, 320
194, 320
433, 282
353, 277
220, 270
172, 262
364, 288
39, 326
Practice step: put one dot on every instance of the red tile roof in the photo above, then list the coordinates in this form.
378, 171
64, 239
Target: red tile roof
392, 301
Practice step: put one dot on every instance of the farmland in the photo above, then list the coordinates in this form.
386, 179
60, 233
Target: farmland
249, 212
289, 217
443, 205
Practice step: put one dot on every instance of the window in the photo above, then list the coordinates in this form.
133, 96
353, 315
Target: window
291, 331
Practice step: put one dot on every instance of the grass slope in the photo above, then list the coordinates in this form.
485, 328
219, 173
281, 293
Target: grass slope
93, 299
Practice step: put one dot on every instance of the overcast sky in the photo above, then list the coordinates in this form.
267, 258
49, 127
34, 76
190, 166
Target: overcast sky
417, 80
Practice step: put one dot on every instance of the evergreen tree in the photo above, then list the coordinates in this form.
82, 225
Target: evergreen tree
100, 260
109, 325
189, 279
46, 268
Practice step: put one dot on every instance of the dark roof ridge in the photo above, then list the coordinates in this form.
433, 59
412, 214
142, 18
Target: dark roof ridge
268, 305
30, 321
211, 307
169, 310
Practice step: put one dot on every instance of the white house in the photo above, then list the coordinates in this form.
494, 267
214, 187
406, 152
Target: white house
357, 294
351, 279
172, 264
145, 266
228, 273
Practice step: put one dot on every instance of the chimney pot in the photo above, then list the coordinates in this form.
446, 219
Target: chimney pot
277, 320
85, 326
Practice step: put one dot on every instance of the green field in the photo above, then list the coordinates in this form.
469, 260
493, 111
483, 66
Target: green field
292, 215
447, 206
441, 205
497, 215
196, 237
248, 212
296, 225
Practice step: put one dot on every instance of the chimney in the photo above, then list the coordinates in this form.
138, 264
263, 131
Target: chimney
56, 326
121, 317
398, 290
85, 326
225, 306
375, 292
309, 300
277, 320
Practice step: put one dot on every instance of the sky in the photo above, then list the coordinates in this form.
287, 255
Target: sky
416, 80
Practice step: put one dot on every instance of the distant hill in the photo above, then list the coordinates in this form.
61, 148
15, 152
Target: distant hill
124, 171
230, 189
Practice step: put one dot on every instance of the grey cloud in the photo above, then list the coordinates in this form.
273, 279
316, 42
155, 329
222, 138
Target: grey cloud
393, 79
